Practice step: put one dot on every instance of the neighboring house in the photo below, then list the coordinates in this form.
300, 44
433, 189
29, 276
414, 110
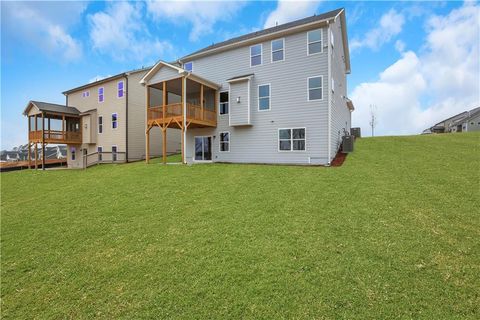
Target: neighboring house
464, 121
277, 95
106, 117
9, 156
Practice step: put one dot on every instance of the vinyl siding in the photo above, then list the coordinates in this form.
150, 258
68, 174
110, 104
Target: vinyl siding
240, 112
340, 114
290, 107
164, 73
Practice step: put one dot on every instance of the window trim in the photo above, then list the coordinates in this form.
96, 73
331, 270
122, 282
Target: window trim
219, 93
220, 141
291, 140
116, 120
73, 154
86, 94
308, 88
186, 64
103, 95
261, 54
116, 152
269, 97
123, 90
98, 124
100, 153
321, 41
271, 50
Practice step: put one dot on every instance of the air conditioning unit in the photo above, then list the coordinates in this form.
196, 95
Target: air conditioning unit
347, 143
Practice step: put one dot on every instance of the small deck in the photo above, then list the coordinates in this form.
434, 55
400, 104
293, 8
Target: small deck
55, 136
172, 115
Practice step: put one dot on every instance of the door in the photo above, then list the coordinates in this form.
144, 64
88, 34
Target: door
203, 148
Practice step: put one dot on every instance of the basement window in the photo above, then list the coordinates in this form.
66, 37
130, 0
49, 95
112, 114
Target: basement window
114, 121
291, 139
224, 141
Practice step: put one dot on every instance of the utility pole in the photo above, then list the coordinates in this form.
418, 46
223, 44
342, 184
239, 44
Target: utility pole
373, 118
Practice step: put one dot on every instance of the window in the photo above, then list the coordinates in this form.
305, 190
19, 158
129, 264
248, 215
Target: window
315, 41
100, 124
331, 38
315, 91
114, 121
114, 153
99, 151
224, 141
73, 152
333, 85
255, 55
85, 94
278, 50
120, 89
224, 102
264, 97
291, 139
100, 94
188, 66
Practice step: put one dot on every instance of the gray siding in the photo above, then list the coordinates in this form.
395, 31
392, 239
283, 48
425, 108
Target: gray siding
290, 107
165, 73
240, 112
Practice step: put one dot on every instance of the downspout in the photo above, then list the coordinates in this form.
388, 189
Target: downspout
329, 83
126, 118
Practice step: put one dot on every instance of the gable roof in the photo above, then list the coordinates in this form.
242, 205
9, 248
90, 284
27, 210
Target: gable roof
283, 28
50, 107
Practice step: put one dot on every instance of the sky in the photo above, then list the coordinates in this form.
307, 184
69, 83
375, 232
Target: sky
413, 63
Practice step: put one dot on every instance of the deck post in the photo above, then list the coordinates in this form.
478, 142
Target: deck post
147, 130
34, 138
36, 155
202, 116
147, 149
43, 141
29, 152
164, 129
63, 128
164, 145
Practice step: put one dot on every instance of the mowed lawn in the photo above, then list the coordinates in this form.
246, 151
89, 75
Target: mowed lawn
392, 234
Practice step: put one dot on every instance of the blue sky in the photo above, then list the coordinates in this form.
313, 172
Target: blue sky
417, 62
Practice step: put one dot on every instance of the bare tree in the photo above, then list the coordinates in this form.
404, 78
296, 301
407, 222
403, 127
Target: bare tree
373, 118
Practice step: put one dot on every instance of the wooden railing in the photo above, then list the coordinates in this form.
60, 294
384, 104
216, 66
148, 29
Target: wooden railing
56, 136
194, 112
103, 157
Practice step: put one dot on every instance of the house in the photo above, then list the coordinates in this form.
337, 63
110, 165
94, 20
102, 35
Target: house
464, 121
103, 121
278, 95
9, 156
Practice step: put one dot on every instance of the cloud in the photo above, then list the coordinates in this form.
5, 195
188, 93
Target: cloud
287, 11
44, 26
390, 25
400, 46
420, 90
201, 15
119, 32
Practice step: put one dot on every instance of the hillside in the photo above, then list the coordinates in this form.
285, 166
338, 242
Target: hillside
393, 233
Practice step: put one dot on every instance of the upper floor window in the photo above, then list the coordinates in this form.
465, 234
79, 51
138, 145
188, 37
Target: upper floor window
278, 50
100, 94
256, 55
120, 88
224, 102
291, 139
315, 88
264, 97
333, 85
85, 94
331, 38
224, 141
114, 121
315, 41
188, 66
100, 124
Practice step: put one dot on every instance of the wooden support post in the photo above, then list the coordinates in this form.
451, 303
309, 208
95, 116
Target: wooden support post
147, 130
183, 117
29, 152
35, 137
36, 156
63, 128
43, 141
164, 145
164, 101
201, 102
147, 145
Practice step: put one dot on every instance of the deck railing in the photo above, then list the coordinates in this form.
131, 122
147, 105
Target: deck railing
56, 136
103, 157
194, 112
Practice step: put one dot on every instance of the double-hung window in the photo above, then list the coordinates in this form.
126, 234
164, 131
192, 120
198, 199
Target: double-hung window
114, 121
85, 94
256, 55
224, 141
291, 139
224, 102
100, 124
73, 152
120, 91
188, 66
315, 41
100, 94
315, 88
264, 97
100, 153
278, 51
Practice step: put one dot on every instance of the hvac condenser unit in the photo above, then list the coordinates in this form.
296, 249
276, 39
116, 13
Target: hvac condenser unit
347, 143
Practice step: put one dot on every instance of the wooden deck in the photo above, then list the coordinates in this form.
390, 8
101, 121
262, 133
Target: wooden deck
55, 136
172, 114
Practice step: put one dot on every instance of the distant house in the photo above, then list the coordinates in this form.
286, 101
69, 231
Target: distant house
462, 122
9, 156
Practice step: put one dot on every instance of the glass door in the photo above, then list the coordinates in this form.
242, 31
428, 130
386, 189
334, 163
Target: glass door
203, 148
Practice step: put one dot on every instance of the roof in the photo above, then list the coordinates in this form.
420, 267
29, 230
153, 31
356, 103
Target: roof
278, 29
117, 76
245, 76
51, 107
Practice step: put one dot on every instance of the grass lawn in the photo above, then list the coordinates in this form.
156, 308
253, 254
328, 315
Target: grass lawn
393, 233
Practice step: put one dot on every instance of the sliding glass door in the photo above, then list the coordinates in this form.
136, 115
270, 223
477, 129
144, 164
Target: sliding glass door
203, 148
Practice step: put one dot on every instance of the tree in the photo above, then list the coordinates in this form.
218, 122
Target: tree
373, 118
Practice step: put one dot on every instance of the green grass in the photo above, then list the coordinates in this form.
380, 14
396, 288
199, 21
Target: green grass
392, 234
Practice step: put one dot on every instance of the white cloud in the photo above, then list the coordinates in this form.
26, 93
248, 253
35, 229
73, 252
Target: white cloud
419, 90
390, 25
400, 46
202, 15
45, 25
287, 11
119, 32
